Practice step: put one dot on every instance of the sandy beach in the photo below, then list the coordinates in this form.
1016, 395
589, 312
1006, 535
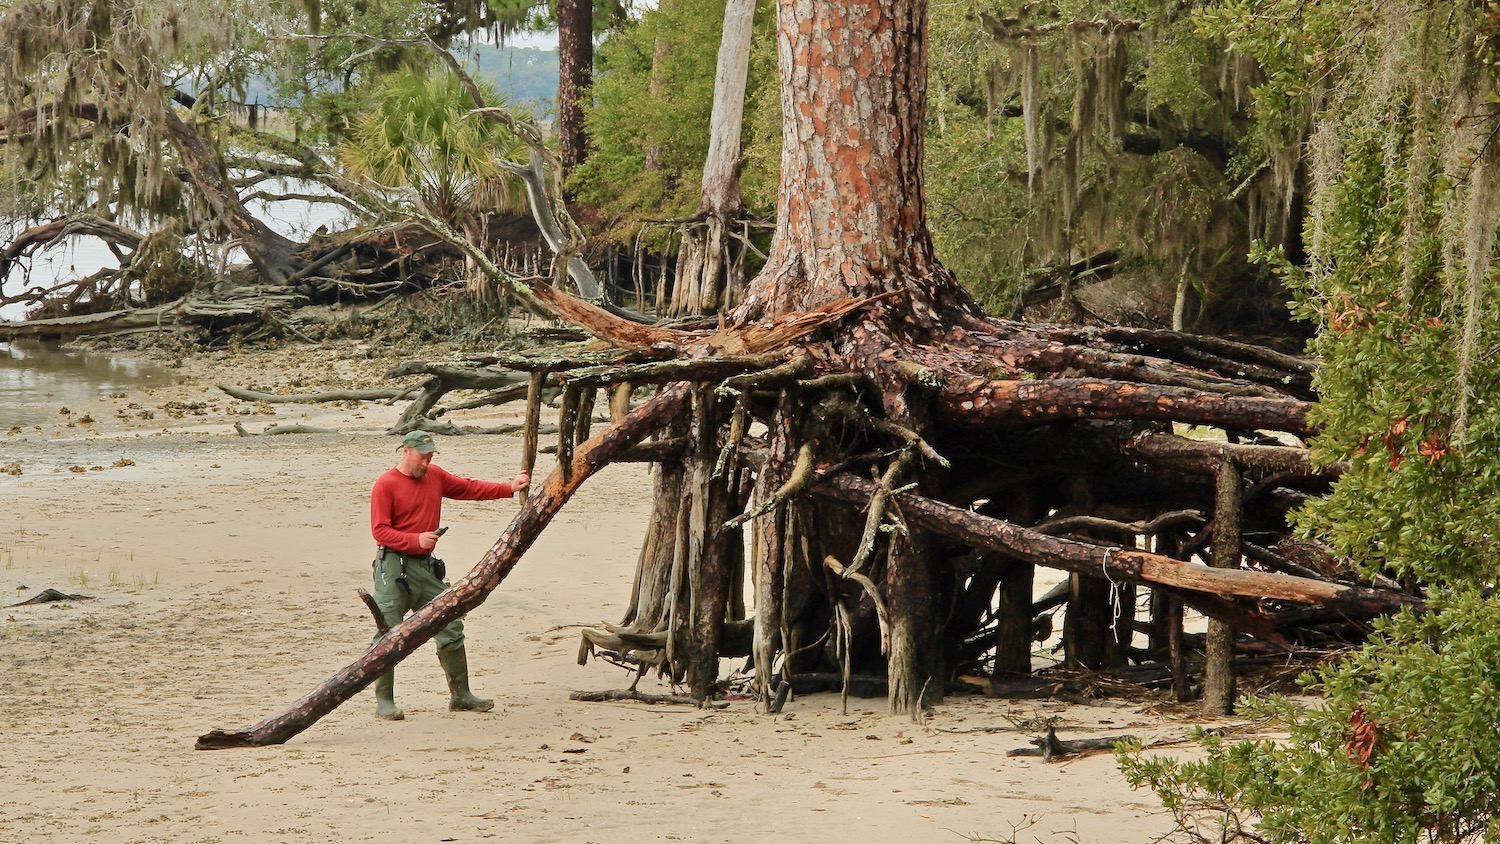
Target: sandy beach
222, 572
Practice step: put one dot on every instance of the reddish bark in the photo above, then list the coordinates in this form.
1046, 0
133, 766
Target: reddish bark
983, 403
851, 211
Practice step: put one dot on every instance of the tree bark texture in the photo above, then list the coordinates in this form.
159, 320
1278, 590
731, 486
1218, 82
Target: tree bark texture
711, 260
851, 210
721, 170
575, 68
1218, 672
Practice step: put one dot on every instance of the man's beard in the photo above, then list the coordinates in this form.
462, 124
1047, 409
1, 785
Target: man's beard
418, 471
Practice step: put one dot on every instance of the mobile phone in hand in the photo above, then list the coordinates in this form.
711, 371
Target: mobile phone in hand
442, 530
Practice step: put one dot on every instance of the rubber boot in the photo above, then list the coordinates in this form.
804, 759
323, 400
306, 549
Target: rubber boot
460, 699
385, 698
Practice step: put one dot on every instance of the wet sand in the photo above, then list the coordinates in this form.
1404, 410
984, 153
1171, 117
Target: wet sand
222, 573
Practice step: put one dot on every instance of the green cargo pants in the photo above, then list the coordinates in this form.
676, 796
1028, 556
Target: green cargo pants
405, 583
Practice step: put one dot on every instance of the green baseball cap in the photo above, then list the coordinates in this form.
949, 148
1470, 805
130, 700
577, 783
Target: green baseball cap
421, 441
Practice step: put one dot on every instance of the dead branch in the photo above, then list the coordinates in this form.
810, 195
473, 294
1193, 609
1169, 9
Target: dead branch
369, 600
1069, 524
1118, 563
643, 697
375, 394
881, 614
274, 430
802, 477
1050, 747
662, 372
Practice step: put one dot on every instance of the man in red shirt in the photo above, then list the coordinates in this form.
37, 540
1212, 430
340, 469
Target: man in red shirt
406, 509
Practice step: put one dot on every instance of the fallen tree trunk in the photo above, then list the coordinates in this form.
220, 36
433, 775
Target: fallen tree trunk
243, 305
468, 593
169, 317
1120, 563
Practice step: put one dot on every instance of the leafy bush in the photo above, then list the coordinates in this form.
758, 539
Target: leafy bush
420, 132
1403, 749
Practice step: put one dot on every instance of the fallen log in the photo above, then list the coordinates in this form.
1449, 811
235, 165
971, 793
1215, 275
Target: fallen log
168, 317
1121, 563
248, 303
464, 595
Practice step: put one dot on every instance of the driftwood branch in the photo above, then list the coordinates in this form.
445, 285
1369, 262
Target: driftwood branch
377, 394
274, 430
643, 697
374, 608
1050, 747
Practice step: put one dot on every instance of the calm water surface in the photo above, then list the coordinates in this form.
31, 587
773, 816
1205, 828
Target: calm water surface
37, 379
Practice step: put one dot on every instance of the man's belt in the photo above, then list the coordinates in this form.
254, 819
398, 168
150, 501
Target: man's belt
405, 557
438, 568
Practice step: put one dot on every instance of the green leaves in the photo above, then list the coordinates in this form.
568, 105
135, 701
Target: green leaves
1399, 282
648, 124
1403, 748
421, 133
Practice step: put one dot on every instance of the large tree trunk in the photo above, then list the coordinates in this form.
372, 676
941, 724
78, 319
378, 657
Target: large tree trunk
575, 68
851, 222
851, 212
721, 170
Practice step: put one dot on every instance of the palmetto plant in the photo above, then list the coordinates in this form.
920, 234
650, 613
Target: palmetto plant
420, 134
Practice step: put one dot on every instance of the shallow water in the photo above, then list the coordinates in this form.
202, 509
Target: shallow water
38, 380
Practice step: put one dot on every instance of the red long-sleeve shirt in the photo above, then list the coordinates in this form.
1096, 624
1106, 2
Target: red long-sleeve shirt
402, 508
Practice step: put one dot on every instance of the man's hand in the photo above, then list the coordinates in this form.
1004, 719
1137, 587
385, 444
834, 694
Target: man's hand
522, 481
428, 540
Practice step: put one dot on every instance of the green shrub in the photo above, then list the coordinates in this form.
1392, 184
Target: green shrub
1403, 748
